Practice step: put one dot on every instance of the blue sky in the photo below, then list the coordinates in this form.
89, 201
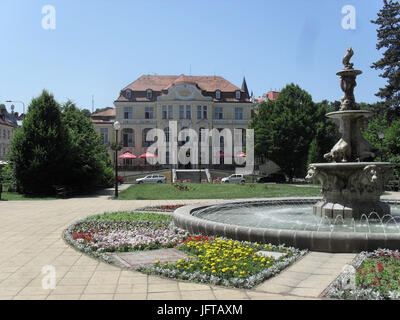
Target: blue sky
99, 46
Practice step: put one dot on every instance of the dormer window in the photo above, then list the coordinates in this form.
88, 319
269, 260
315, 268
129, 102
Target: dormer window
218, 94
237, 93
149, 94
128, 94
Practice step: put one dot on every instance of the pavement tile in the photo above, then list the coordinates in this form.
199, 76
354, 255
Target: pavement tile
169, 295
162, 287
64, 297
187, 286
130, 296
198, 295
227, 294
30, 297
65, 290
97, 296
100, 289
131, 289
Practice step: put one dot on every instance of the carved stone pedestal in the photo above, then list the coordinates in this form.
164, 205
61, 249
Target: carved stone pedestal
351, 189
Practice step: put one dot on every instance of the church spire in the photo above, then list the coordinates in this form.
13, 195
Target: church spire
244, 87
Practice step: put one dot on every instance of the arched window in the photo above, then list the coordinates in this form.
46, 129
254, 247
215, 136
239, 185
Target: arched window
128, 138
146, 142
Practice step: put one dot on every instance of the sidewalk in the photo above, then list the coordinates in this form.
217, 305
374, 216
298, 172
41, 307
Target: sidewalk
31, 238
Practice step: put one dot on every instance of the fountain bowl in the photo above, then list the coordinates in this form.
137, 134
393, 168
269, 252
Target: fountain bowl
323, 241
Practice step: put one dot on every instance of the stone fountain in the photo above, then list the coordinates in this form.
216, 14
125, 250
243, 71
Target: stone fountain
353, 183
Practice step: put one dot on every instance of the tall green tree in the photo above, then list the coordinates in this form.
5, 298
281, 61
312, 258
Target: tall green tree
40, 148
285, 128
388, 32
90, 162
326, 133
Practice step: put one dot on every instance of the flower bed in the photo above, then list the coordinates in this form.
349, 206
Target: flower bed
372, 276
224, 261
97, 237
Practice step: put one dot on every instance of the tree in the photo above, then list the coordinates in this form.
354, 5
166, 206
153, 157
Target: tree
86, 113
40, 147
90, 162
391, 145
285, 128
389, 39
326, 133
98, 110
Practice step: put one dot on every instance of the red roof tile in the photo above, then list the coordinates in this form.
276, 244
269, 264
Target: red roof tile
160, 84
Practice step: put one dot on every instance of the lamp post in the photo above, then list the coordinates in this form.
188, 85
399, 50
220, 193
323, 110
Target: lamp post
14, 101
381, 135
117, 127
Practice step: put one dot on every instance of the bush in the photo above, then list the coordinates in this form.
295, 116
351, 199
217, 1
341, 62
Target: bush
7, 178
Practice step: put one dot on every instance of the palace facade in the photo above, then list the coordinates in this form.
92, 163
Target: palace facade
194, 102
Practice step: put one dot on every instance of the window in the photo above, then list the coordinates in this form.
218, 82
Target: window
181, 112
128, 94
128, 113
238, 113
167, 135
149, 113
198, 112
170, 112
219, 113
8, 132
205, 112
104, 135
146, 142
218, 94
149, 94
237, 93
164, 112
128, 137
188, 112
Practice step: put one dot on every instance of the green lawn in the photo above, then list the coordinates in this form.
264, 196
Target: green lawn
217, 191
12, 196
132, 216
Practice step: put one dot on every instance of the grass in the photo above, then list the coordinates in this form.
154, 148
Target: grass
132, 216
217, 191
13, 196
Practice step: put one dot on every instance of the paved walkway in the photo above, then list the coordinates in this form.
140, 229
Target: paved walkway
31, 238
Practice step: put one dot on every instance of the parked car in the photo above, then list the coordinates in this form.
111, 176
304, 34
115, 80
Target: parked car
273, 177
153, 178
234, 178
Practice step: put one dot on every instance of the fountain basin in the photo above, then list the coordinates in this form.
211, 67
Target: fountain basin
326, 241
350, 189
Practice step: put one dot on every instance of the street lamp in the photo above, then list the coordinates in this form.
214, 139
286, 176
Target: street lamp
381, 135
14, 101
117, 127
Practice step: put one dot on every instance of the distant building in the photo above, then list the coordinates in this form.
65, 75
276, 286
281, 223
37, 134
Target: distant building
270, 95
8, 124
195, 102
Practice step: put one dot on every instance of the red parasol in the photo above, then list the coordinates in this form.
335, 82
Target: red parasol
147, 155
127, 155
